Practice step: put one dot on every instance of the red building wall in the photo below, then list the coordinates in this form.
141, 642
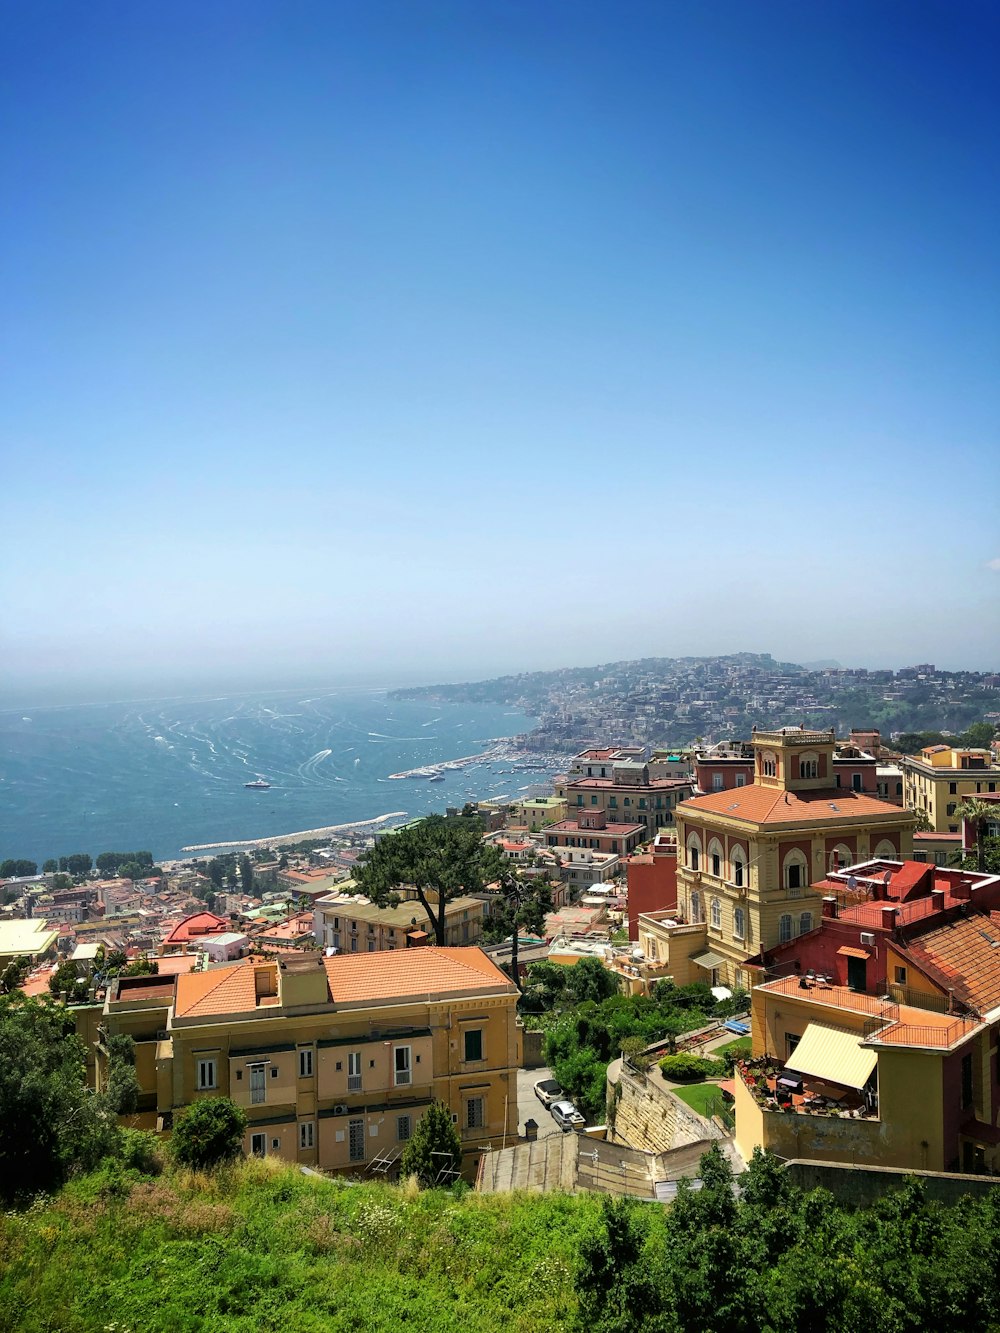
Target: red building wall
652, 887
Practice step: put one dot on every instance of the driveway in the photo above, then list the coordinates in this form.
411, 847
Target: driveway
528, 1105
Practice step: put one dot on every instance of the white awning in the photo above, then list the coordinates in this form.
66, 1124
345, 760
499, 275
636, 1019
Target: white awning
834, 1055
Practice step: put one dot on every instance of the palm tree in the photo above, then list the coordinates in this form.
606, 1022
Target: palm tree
976, 812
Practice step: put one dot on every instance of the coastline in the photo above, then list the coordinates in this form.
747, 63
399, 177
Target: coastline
279, 839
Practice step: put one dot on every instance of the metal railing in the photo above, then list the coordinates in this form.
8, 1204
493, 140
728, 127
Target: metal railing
915, 1034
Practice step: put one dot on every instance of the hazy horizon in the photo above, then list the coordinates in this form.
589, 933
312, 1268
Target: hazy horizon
430, 341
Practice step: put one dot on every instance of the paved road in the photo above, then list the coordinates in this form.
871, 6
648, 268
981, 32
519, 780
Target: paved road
528, 1105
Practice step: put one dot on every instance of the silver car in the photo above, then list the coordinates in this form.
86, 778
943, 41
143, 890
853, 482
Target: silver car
567, 1116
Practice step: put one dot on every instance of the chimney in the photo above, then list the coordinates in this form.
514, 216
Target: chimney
937, 900
830, 906
889, 918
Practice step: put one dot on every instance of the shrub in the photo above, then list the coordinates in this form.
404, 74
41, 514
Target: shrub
138, 1150
685, 1067
435, 1146
209, 1133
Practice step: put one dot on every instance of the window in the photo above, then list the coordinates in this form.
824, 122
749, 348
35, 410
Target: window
805, 923
354, 944
371, 946
305, 1064
401, 1066
900, 976
785, 929
354, 1071
769, 766
856, 781
613, 802
808, 768
716, 914
474, 1044
593, 800
693, 854
404, 1128
741, 779
716, 865
966, 1081
356, 1140
695, 908
474, 1118
258, 1145
627, 800
307, 1134
738, 872
952, 788
739, 923
717, 781
258, 1088
794, 875
207, 1077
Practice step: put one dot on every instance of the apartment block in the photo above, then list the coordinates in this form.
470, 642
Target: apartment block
354, 924
941, 777
334, 1059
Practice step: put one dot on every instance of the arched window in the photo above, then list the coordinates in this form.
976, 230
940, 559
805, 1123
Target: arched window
768, 765
739, 923
885, 849
843, 856
716, 914
695, 908
795, 871
694, 851
805, 922
715, 857
785, 929
808, 766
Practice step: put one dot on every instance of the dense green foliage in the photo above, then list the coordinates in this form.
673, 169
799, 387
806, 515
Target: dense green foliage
438, 857
258, 1246
684, 1067
435, 1150
14, 868
778, 1259
209, 1133
50, 1124
586, 1027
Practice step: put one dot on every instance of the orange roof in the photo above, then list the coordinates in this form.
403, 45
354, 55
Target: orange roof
174, 964
964, 956
772, 805
196, 925
395, 973
223, 990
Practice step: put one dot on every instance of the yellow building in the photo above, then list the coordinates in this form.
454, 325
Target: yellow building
748, 855
841, 1076
334, 1059
536, 812
353, 924
940, 778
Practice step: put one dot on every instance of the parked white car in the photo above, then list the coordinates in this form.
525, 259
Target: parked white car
547, 1090
567, 1116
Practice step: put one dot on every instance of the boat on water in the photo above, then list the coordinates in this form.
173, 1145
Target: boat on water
438, 777
260, 784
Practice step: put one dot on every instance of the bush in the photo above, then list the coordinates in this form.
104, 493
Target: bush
138, 1150
685, 1067
435, 1146
209, 1133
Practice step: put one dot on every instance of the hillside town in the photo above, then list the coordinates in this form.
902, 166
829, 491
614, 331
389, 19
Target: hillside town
818, 917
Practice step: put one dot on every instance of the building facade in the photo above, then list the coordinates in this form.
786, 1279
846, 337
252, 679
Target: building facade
334, 1059
747, 857
940, 778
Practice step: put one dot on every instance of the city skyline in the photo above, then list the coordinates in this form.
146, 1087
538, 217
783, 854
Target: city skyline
439, 341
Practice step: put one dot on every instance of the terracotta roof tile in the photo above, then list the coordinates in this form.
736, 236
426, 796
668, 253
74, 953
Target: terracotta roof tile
965, 956
772, 805
223, 990
403, 972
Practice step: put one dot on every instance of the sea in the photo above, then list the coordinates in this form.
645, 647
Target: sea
167, 774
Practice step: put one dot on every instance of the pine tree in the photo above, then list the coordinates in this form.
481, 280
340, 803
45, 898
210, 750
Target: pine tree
435, 1146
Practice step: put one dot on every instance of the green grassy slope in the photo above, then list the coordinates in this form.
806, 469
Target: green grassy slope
260, 1247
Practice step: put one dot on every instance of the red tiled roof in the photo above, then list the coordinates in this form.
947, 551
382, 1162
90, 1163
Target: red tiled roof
964, 956
772, 805
196, 925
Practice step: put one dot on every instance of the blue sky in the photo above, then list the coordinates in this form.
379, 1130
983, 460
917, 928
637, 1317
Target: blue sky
422, 339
